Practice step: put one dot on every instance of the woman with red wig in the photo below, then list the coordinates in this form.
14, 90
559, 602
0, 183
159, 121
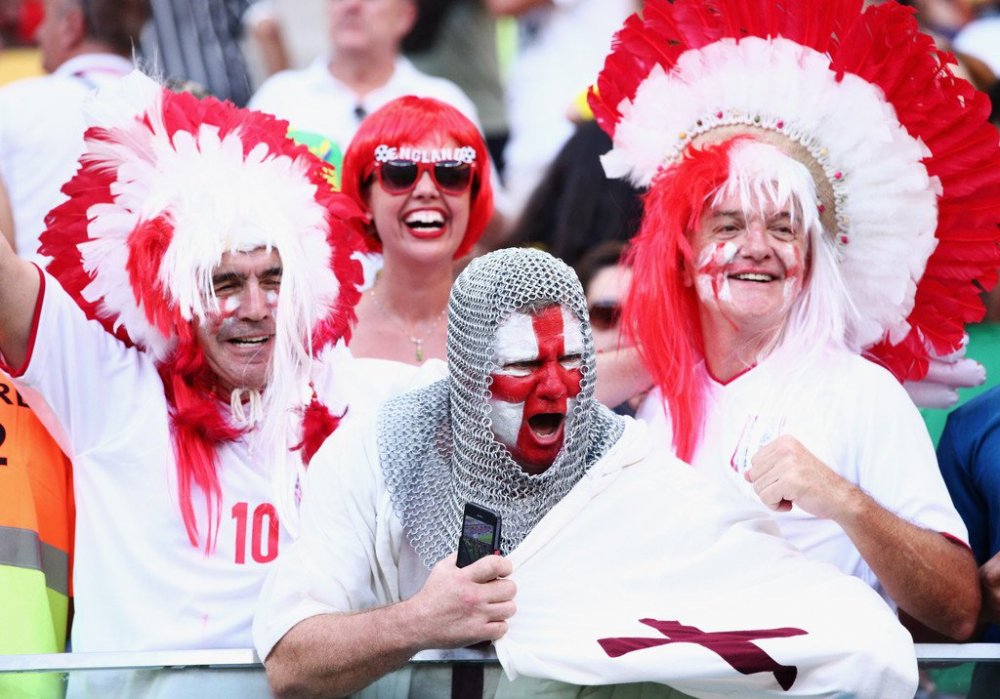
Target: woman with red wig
421, 171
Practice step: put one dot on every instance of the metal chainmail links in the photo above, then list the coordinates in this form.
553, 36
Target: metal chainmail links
436, 444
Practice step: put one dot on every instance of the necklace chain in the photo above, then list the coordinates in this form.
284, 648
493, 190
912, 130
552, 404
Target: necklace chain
417, 340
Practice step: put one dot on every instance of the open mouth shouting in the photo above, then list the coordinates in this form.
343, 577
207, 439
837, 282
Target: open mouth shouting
546, 425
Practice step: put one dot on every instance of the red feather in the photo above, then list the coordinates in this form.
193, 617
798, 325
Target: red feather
318, 423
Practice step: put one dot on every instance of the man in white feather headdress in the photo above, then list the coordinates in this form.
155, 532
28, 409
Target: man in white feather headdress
819, 195
200, 266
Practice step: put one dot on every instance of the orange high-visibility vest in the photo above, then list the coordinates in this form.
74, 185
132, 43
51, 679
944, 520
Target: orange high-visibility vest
36, 538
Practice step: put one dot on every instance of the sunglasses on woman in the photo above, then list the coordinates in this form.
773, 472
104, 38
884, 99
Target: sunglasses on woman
401, 176
604, 315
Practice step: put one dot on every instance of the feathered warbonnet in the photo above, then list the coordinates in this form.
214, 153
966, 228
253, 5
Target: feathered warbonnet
906, 165
167, 184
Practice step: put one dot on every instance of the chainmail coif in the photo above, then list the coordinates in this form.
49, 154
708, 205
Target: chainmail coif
436, 444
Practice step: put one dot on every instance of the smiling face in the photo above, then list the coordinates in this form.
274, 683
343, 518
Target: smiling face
425, 223
750, 264
533, 390
238, 338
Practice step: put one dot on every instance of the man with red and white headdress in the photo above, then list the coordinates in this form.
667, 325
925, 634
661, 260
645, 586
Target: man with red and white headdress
822, 192
200, 267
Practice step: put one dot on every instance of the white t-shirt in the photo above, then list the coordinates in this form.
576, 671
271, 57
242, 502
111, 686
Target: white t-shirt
41, 138
313, 100
139, 583
852, 415
639, 535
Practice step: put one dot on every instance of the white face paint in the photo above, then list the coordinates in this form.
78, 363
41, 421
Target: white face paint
515, 342
536, 383
750, 265
710, 278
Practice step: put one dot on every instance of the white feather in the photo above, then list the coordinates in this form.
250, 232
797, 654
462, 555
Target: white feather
886, 204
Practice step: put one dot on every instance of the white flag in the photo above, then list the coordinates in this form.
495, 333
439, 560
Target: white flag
648, 573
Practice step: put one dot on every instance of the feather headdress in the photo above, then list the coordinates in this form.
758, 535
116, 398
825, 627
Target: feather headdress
906, 165
167, 184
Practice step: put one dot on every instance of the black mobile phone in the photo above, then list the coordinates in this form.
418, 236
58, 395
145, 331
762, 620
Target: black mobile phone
480, 534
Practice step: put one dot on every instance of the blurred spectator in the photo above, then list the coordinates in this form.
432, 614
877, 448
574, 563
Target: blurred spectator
199, 41
575, 207
36, 535
19, 20
363, 71
969, 456
605, 279
457, 40
981, 36
303, 23
84, 46
19, 58
561, 47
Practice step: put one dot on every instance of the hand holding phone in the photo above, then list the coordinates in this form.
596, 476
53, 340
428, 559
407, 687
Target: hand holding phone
480, 534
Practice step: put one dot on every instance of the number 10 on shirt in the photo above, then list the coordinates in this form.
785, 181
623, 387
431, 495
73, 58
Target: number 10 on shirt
263, 532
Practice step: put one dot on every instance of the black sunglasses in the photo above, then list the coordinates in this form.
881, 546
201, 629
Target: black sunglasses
400, 176
604, 315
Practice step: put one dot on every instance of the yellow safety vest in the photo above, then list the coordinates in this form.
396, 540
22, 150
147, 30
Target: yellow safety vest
36, 536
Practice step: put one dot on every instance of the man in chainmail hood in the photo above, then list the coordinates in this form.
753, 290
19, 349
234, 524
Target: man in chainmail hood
516, 425
603, 535
513, 429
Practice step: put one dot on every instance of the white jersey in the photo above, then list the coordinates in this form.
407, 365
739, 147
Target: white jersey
852, 415
139, 583
314, 101
675, 549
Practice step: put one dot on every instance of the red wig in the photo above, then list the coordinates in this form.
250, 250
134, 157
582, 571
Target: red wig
412, 121
660, 315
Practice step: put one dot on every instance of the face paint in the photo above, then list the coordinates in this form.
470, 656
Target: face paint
749, 268
539, 358
229, 306
711, 268
793, 272
238, 337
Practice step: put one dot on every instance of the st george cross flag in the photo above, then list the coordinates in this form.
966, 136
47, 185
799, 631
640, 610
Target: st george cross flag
647, 572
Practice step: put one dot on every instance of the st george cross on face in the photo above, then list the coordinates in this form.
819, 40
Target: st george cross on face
538, 355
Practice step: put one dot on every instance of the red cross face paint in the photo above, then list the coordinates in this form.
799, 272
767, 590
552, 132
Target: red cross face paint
750, 266
538, 377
